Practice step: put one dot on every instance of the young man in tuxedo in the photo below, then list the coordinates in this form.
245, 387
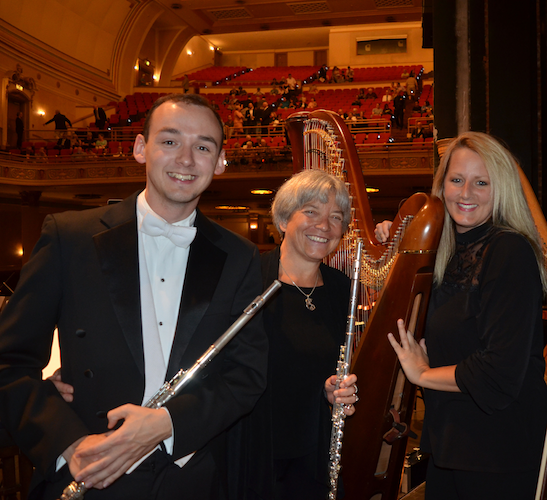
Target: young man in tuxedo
132, 307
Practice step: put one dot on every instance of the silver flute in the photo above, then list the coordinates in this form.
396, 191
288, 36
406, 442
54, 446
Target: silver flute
76, 490
342, 371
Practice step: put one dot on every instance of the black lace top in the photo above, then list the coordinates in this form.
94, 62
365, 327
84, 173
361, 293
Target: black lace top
485, 318
463, 270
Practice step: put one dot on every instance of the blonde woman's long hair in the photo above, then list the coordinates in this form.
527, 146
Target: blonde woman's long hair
510, 209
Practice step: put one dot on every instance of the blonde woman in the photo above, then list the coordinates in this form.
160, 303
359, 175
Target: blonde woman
481, 360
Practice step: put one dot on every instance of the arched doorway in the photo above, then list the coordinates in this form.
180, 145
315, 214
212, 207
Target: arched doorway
17, 102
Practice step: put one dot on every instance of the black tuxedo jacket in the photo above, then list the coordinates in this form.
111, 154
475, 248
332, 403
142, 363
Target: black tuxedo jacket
83, 278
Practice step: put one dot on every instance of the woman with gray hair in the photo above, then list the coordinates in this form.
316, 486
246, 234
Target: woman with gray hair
289, 430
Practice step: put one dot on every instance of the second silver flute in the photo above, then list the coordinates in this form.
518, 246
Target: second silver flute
76, 490
342, 371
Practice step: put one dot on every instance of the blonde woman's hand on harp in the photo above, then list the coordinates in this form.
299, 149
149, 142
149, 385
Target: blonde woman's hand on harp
412, 355
382, 231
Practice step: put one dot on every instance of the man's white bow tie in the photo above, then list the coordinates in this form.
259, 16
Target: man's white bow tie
181, 236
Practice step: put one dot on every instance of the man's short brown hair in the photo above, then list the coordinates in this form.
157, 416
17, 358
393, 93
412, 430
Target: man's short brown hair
191, 99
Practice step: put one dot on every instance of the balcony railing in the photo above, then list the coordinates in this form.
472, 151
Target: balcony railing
58, 169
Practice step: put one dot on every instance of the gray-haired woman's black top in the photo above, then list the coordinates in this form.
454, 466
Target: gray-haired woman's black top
292, 418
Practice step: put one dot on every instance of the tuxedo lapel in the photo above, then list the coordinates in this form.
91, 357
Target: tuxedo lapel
205, 265
117, 248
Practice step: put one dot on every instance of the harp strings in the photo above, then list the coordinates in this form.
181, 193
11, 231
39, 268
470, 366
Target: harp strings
322, 150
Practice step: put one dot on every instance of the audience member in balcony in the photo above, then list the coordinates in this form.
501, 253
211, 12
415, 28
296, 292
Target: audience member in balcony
291, 83
248, 143
275, 122
302, 103
228, 127
427, 108
61, 122
387, 110
234, 91
241, 91
284, 103
354, 117
245, 100
263, 115
337, 75
274, 82
214, 105
312, 104
416, 108
19, 129
185, 83
343, 114
250, 118
232, 102
349, 74
101, 142
238, 120
419, 131
388, 96
404, 74
322, 73
89, 142
75, 141
100, 117
429, 130
411, 84
78, 154
370, 94
274, 91
40, 156
377, 110
64, 141
258, 92
282, 81
266, 155
399, 109
119, 153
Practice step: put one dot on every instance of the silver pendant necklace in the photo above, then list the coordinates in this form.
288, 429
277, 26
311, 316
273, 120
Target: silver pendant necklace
309, 303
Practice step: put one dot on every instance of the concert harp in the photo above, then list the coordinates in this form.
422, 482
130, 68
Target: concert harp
395, 283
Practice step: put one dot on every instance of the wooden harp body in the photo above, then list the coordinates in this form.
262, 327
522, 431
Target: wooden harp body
395, 283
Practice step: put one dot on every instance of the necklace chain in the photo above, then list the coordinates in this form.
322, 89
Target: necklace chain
309, 302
